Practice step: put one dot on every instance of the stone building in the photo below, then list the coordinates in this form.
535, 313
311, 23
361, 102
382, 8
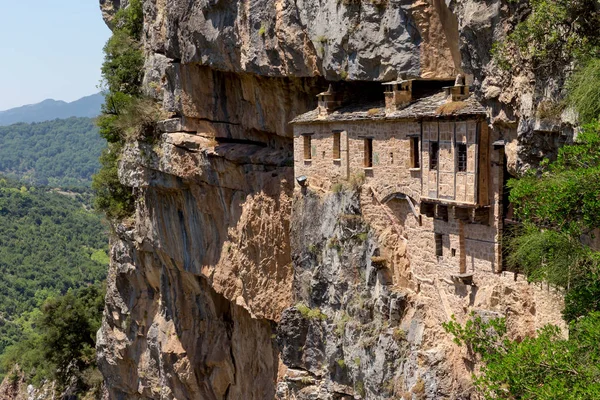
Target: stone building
425, 154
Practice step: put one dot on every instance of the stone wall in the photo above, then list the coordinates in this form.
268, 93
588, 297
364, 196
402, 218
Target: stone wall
467, 247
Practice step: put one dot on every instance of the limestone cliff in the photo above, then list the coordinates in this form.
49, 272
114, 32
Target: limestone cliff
203, 279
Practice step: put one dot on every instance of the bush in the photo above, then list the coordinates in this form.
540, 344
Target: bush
125, 114
545, 367
111, 197
553, 34
122, 69
556, 209
584, 90
61, 344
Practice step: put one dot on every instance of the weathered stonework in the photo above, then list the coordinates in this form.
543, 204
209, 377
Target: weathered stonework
455, 202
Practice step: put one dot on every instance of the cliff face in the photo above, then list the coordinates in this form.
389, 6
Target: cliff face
203, 279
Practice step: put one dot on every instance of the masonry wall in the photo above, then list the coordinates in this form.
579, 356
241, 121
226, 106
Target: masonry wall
391, 172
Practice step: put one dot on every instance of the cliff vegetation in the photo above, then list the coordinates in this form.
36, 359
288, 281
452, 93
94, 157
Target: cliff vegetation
124, 111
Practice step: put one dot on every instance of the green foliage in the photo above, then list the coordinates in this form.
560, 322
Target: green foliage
584, 90
556, 208
583, 297
126, 115
122, 69
359, 386
311, 313
337, 188
545, 367
340, 325
130, 20
59, 342
479, 335
50, 243
61, 153
111, 197
553, 33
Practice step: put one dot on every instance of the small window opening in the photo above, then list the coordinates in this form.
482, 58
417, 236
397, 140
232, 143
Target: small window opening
391, 158
461, 152
368, 162
323, 154
307, 147
434, 151
453, 252
336, 145
439, 245
414, 152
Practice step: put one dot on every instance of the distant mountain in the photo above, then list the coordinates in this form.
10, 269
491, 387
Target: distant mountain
48, 110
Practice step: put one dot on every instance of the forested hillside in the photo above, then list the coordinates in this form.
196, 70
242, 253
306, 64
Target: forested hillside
60, 153
49, 244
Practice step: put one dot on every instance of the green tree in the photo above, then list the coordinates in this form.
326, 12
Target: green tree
552, 34
558, 206
122, 74
59, 341
545, 367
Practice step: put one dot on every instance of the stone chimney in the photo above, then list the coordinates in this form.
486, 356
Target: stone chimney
328, 101
398, 94
458, 92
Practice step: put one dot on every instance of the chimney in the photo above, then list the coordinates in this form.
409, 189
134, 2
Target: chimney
458, 92
328, 101
398, 94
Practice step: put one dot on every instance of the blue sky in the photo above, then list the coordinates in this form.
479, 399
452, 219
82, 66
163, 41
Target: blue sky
49, 49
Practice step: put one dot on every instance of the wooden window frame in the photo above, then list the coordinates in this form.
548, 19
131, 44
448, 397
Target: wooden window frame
439, 244
415, 155
434, 155
337, 141
307, 146
368, 154
461, 157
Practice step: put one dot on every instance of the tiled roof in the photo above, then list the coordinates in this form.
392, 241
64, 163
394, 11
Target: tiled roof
426, 107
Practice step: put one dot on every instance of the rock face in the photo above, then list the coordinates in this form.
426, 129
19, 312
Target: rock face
231, 283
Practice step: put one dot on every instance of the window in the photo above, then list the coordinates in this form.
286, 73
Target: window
461, 153
434, 151
336, 145
368, 153
307, 147
414, 152
439, 244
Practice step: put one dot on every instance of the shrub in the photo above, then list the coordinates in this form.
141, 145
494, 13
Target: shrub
544, 367
111, 197
122, 70
553, 34
584, 90
556, 207
337, 188
125, 115
61, 344
311, 313
356, 180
